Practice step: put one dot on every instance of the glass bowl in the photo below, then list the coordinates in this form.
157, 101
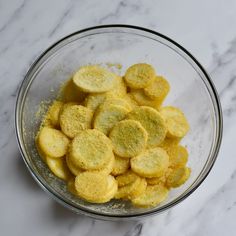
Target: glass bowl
191, 90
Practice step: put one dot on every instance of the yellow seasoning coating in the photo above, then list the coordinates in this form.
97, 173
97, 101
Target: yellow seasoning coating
178, 177
130, 190
143, 100
176, 122
91, 150
58, 167
71, 186
71, 93
178, 156
108, 168
75, 170
130, 100
94, 100
74, 119
159, 180
140, 189
152, 122
128, 138
126, 178
158, 89
156, 180
151, 163
94, 79
93, 186
119, 89
139, 75
66, 105
52, 142
40, 152
111, 190
116, 101
107, 116
152, 196
121, 165
168, 143
54, 112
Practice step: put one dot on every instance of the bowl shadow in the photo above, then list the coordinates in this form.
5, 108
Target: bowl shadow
84, 225
24, 174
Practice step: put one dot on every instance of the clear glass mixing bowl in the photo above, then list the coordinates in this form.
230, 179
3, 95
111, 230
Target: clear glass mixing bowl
191, 90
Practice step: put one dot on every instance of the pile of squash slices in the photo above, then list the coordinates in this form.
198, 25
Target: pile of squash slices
110, 137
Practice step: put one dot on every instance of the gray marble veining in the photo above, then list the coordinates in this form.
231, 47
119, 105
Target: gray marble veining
206, 28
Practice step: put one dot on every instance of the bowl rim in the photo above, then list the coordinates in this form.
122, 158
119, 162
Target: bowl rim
106, 216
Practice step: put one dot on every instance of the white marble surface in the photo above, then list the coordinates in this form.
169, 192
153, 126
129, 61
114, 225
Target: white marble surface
206, 28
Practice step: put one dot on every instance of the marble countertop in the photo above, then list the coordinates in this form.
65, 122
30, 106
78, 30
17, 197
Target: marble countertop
205, 28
